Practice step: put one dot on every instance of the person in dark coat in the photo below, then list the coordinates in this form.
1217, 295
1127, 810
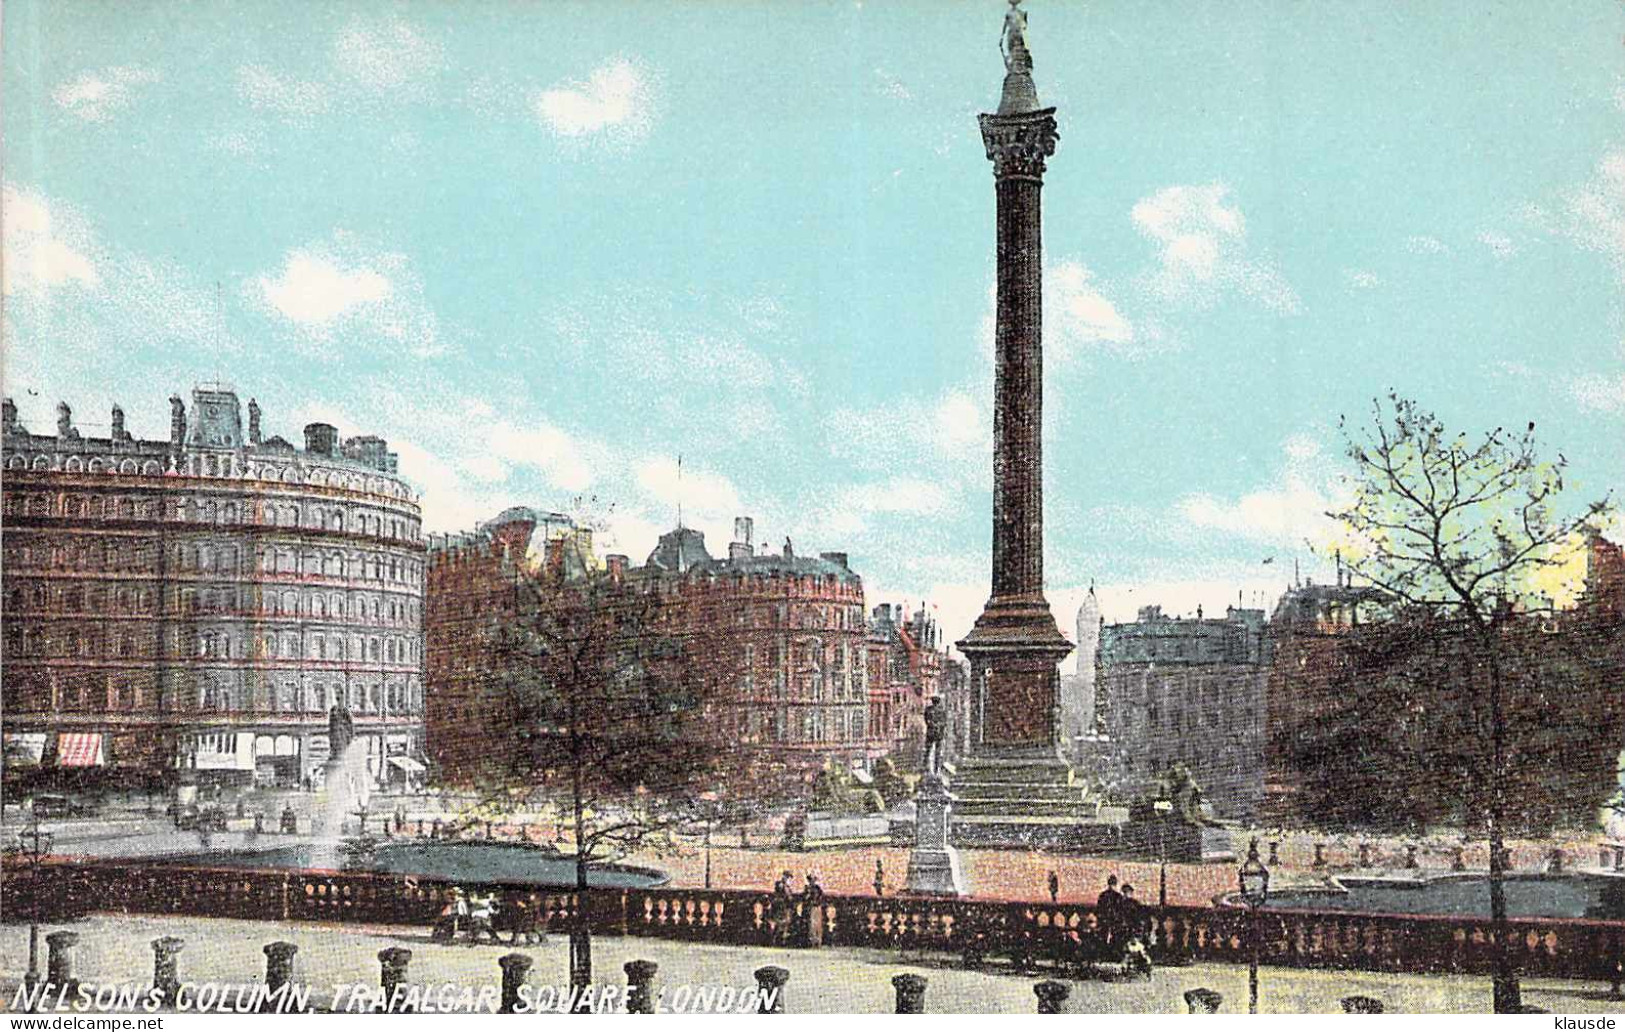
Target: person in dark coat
812, 898
1054, 887
1135, 935
783, 908
1108, 915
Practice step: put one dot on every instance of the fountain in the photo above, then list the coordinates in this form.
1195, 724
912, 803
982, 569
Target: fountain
346, 784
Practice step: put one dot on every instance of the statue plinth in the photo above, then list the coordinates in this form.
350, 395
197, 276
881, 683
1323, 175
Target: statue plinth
933, 866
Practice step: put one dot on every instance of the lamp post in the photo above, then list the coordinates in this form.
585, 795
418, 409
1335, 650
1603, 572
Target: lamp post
35, 846
1255, 891
1163, 808
711, 813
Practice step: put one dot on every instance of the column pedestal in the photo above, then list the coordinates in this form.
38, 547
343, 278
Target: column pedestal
933, 866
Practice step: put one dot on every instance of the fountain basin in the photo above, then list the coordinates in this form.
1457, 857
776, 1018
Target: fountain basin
1530, 895
472, 863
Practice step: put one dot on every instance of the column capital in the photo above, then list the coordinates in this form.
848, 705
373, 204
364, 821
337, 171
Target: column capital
1018, 144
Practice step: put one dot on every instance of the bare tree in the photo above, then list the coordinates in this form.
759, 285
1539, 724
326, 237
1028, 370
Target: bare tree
1455, 528
610, 694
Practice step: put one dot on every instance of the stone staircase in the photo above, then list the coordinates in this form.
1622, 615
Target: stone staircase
1024, 802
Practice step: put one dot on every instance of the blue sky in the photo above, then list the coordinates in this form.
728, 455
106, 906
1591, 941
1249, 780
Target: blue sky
546, 248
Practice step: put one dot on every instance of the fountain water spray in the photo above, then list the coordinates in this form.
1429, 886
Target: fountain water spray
347, 785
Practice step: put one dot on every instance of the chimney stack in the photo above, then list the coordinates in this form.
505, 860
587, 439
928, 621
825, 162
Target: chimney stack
744, 533
320, 438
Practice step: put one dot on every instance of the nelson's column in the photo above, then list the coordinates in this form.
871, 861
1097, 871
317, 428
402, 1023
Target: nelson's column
1013, 786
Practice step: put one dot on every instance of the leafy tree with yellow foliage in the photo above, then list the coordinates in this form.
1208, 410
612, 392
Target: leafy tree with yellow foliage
1461, 531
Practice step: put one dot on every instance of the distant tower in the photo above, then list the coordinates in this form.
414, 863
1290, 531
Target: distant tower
1078, 716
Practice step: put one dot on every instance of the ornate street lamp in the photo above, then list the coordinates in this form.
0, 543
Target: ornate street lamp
1255, 892
34, 846
1164, 809
711, 812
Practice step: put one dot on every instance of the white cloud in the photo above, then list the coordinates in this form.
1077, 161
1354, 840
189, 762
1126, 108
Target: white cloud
313, 290
1201, 235
450, 503
96, 96
1600, 393
246, 143
1361, 279
544, 447
947, 438
1593, 215
488, 469
617, 101
1079, 316
333, 286
846, 515
388, 58
702, 493
891, 86
291, 98
1499, 244
1287, 512
1426, 245
959, 423
41, 252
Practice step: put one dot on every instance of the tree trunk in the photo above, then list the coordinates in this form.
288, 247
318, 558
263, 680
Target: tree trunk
580, 928
1508, 997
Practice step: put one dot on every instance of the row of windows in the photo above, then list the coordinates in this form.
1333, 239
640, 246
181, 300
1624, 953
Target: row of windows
123, 555
337, 647
247, 600
222, 465
809, 725
46, 642
265, 512
118, 694
799, 616
810, 688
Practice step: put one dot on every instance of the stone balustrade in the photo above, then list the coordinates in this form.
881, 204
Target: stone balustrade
1063, 935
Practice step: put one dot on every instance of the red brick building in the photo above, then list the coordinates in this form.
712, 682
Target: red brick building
1605, 578
906, 670
787, 633
1310, 634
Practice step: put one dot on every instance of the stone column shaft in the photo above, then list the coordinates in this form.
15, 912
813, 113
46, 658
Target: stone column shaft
1018, 394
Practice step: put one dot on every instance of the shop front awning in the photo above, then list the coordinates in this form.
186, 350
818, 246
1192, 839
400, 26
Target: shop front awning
78, 749
407, 764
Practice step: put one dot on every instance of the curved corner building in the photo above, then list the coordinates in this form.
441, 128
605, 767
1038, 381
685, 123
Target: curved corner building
199, 604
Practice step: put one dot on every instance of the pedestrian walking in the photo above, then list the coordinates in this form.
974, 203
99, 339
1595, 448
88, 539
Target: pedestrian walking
784, 908
880, 879
1108, 916
1054, 887
812, 898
